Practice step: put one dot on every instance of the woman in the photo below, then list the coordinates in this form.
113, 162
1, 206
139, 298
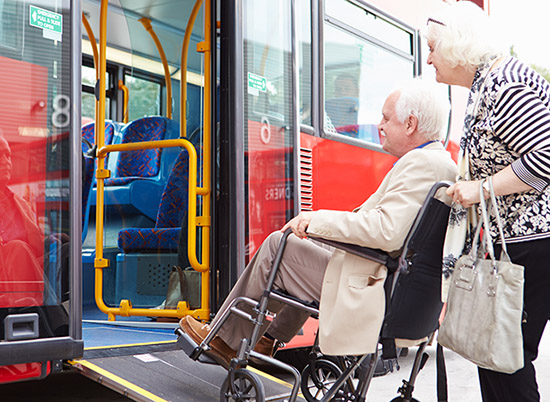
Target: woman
506, 136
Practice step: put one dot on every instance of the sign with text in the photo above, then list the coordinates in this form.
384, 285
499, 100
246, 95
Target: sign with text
45, 19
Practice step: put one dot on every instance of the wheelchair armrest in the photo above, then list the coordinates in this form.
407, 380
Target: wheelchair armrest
372, 254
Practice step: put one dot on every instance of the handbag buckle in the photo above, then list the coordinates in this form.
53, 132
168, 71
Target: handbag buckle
466, 277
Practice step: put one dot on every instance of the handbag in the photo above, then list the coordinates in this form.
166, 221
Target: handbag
183, 285
485, 304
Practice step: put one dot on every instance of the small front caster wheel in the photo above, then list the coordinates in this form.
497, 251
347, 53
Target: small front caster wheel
242, 385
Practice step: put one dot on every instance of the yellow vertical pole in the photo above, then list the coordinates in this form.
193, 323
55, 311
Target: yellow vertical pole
102, 174
124, 89
207, 130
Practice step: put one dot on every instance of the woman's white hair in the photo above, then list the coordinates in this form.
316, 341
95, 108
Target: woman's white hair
463, 35
428, 102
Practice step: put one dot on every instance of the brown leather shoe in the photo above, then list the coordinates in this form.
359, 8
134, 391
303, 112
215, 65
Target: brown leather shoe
219, 350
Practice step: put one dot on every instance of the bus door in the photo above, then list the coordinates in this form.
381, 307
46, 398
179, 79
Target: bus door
40, 165
258, 122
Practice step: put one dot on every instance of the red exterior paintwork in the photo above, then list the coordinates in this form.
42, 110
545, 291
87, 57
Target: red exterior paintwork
344, 175
270, 190
23, 123
23, 371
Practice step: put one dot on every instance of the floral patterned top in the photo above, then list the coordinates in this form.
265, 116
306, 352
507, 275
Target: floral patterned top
511, 126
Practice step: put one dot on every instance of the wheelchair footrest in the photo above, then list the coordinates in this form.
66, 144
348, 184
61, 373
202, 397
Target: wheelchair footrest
191, 348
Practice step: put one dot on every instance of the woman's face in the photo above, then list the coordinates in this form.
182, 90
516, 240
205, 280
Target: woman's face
443, 71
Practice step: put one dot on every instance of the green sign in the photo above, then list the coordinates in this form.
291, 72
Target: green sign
256, 81
45, 19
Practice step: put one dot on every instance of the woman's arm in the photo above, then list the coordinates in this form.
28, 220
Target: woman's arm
466, 193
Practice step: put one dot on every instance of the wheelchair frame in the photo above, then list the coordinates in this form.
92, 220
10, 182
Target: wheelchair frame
239, 380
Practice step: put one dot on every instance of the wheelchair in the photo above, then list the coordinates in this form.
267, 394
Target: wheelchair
413, 306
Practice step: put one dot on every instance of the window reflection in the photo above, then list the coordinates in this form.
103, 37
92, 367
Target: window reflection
358, 77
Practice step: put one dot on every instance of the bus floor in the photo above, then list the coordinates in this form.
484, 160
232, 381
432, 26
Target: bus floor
138, 357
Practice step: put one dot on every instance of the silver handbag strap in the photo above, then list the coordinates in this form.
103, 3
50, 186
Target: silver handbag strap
484, 212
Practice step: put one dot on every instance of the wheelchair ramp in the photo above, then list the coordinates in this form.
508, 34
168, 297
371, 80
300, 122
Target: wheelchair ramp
164, 373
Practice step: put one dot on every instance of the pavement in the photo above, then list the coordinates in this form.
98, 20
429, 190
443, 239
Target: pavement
463, 385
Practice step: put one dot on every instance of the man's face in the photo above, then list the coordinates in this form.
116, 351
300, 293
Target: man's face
393, 131
5, 162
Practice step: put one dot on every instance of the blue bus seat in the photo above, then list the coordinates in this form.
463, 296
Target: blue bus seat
145, 163
164, 236
138, 177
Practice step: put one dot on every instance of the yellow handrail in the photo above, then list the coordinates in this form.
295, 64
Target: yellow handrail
204, 265
204, 220
184, 53
101, 173
146, 22
91, 36
96, 57
124, 89
194, 221
126, 308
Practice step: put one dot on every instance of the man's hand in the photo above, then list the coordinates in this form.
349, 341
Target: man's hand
299, 224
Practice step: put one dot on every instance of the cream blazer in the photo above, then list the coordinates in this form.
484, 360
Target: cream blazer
352, 298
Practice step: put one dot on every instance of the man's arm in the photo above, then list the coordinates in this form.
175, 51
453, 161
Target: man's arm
385, 225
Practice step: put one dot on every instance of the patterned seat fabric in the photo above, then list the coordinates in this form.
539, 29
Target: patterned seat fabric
88, 132
132, 165
172, 210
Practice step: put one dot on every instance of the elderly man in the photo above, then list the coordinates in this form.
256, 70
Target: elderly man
349, 288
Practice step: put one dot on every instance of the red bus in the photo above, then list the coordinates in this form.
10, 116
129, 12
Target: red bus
272, 109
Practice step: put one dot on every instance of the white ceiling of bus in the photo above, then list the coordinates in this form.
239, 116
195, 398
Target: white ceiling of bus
168, 18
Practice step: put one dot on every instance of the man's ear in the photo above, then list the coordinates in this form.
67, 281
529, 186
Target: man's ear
411, 124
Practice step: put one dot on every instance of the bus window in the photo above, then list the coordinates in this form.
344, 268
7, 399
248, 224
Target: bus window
144, 97
359, 74
303, 11
11, 28
88, 97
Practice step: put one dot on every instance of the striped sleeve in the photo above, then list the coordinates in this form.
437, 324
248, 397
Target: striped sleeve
522, 121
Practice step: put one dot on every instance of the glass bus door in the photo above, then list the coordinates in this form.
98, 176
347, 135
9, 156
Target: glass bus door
259, 122
40, 181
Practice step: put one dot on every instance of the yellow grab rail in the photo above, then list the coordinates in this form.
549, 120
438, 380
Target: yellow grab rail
184, 53
96, 60
194, 221
91, 36
124, 89
146, 22
126, 308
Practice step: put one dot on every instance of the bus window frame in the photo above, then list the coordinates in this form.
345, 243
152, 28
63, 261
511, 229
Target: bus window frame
111, 91
323, 19
146, 76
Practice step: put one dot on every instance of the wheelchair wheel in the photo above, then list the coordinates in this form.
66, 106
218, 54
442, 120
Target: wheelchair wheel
317, 382
247, 386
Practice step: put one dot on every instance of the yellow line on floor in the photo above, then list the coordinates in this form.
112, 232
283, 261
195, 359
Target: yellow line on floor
117, 379
129, 345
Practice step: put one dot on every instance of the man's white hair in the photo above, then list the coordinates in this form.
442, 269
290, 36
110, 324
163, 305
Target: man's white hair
428, 102
463, 34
